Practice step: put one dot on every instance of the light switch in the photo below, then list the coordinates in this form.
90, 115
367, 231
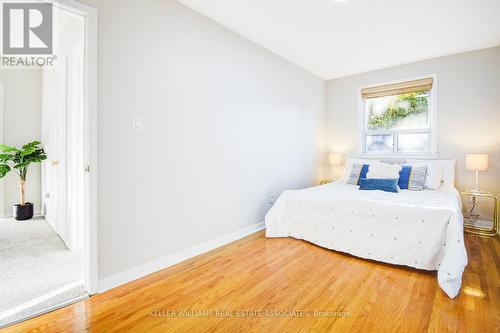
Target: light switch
138, 123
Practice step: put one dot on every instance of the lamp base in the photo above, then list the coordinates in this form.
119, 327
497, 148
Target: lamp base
477, 182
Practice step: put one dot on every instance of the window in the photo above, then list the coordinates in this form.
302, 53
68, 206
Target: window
397, 118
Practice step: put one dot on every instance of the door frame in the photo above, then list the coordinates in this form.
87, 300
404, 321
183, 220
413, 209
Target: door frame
90, 138
2, 138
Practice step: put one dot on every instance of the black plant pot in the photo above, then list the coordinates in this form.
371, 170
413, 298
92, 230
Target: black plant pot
23, 213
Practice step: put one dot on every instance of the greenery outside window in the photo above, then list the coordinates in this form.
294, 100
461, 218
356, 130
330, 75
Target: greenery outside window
397, 118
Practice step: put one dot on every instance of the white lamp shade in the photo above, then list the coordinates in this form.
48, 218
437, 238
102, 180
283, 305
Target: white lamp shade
476, 162
335, 159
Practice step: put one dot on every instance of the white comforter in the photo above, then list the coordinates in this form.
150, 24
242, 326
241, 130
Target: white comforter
421, 229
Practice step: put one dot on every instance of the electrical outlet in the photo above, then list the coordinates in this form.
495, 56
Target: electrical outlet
272, 199
138, 123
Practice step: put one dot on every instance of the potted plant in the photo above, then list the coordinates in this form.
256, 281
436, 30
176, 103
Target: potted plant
18, 161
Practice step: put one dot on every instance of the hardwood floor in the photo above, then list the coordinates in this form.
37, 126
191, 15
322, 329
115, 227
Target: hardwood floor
256, 273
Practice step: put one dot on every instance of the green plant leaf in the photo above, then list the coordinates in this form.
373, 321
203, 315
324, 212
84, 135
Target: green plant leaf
8, 149
6, 157
28, 151
4, 170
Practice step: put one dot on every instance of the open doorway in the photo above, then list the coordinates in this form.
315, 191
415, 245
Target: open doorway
48, 260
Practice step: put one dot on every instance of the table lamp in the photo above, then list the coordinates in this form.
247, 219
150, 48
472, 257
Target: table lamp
476, 162
335, 159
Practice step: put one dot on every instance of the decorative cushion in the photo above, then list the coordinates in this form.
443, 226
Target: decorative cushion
384, 171
412, 178
386, 185
434, 172
349, 162
358, 171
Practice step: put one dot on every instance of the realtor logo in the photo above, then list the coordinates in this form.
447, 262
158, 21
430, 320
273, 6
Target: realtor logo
27, 28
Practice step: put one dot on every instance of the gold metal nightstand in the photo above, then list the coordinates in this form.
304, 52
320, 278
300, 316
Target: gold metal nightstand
472, 219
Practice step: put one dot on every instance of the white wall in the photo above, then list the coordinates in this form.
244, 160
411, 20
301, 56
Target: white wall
468, 109
226, 124
22, 124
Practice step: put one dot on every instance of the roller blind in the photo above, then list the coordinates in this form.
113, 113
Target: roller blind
397, 88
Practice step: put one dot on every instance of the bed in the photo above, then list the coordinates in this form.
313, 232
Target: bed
420, 229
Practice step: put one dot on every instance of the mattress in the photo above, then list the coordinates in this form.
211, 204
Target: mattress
420, 229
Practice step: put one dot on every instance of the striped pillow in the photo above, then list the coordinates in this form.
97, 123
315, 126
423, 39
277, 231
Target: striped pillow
412, 178
358, 171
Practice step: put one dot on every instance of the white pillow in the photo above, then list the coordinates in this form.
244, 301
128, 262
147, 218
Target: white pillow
448, 172
434, 172
447, 168
384, 171
349, 163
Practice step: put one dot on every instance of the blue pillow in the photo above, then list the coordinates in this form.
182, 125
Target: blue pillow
404, 177
387, 185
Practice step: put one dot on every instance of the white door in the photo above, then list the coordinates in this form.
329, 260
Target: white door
54, 139
2, 182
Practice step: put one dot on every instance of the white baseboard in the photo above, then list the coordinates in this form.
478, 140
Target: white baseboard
175, 258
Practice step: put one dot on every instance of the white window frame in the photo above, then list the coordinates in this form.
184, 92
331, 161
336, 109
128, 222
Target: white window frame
362, 132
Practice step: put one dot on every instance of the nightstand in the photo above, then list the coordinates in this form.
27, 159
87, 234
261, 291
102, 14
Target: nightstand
480, 213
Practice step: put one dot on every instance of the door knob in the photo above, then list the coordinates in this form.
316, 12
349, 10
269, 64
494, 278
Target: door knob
55, 163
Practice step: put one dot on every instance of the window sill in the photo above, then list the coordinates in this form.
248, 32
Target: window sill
400, 155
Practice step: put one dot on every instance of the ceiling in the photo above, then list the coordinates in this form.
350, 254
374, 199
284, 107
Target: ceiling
334, 39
